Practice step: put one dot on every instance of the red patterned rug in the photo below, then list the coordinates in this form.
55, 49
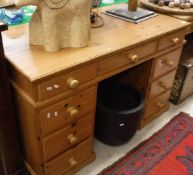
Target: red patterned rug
167, 152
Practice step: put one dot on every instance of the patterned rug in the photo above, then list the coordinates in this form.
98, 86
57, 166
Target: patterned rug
167, 152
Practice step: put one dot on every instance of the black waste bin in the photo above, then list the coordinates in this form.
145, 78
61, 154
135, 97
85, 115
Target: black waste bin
119, 108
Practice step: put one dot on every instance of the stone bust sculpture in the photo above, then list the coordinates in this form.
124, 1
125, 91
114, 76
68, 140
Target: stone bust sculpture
58, 24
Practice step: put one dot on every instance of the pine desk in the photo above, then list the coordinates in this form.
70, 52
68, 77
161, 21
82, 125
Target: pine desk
55, 93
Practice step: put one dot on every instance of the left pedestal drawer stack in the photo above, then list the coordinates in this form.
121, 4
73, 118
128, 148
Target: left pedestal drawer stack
57, 127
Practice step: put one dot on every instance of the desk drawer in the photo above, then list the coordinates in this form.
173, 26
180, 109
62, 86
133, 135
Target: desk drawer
127, 57
58, 115
71, 135
156, 104
166, 62
171, 39
66, 82
70, 159
162, 84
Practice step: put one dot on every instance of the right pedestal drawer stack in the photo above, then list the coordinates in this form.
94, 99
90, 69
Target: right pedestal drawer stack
163, 73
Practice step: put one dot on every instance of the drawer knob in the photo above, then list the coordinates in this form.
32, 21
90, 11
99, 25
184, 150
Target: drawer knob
184, 41
159, 104
133, 58
48, 115
163, 85
72, 83
72, 138
49, 88
175, 40
72, 162
56, 86
169, 63
72, 111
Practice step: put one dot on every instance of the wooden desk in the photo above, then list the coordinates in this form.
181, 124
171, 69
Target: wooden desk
55, 93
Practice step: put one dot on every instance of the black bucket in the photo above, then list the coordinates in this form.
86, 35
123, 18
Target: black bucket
119, 108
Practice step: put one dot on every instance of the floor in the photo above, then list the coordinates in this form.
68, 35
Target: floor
106, 155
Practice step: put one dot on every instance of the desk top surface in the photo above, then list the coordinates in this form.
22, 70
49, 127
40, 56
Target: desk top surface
115, 36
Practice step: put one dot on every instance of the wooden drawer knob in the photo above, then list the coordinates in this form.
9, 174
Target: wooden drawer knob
72, 111
175, 40
169, 63
72, 162
72, 138
162, 84
159, 104
184, 41
133, 58
72, 83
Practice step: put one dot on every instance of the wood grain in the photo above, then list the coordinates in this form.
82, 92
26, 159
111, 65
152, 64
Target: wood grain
114, 37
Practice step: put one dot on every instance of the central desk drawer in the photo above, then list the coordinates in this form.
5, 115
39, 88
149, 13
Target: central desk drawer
66, 82
70, 159
71, 135
58, 115
127, 57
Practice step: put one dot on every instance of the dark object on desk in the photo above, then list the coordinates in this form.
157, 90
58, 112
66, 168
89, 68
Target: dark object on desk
118, 113
183, 83
10, 158
133, 16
